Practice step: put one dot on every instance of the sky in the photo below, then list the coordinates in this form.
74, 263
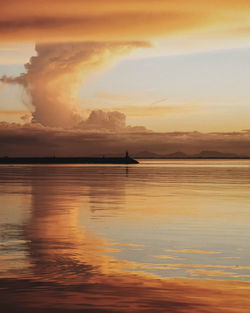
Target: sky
120, 67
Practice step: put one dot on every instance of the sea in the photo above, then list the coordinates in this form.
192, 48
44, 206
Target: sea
159, 236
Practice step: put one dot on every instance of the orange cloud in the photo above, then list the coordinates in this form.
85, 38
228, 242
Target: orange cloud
53, 77
115, 19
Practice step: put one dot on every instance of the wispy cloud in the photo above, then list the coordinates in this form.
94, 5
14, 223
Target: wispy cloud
159, 101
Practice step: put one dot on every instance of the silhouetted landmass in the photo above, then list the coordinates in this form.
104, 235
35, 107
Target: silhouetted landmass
146, 154
177, 155
182, 155
68, 160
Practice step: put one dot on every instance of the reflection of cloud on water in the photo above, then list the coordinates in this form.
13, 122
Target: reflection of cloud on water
58, 247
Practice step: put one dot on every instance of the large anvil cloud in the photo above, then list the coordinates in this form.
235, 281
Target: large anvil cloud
53, 77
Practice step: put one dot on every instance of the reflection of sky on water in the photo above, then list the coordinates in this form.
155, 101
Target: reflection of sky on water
100, 225
174, 208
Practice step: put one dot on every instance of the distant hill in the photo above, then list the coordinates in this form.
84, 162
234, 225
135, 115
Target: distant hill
177, 154
215, 154
146, 154
181, 155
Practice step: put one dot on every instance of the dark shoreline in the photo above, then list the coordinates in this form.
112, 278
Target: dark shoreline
100, 160
68, 160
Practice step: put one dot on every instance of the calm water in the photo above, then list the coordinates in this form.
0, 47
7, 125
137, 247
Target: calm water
161, 236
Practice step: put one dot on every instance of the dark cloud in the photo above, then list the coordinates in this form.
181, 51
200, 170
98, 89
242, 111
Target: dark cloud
35, 139
51, 21
97, 20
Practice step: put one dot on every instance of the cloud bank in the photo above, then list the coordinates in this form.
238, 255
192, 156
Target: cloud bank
100, 20
35, 139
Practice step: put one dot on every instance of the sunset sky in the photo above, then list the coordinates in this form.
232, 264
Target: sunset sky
172, 70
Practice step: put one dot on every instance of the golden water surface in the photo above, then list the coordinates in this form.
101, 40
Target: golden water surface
160, 236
